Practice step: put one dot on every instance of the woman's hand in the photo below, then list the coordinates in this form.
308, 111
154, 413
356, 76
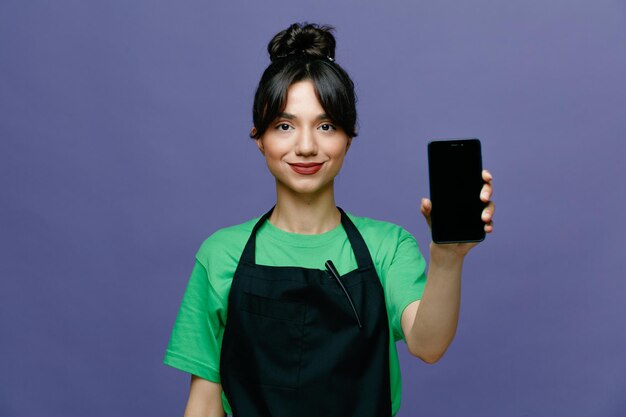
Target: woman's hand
487, 217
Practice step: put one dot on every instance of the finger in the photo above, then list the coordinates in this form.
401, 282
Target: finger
489, 227
487, 214
486, 192
425, 208
487, 177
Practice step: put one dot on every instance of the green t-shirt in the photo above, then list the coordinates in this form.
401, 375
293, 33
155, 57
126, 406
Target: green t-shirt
196, 339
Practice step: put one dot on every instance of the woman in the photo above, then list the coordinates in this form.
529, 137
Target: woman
296, 313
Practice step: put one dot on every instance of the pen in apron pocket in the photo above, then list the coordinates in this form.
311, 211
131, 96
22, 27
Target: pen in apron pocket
333, 272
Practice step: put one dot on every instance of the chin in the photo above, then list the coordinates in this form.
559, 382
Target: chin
304, 189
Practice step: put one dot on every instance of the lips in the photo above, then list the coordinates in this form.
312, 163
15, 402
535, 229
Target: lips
308, 168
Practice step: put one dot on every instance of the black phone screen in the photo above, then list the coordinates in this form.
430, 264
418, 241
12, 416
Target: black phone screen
455, 173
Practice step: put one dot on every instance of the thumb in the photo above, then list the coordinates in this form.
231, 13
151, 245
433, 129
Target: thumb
426, 207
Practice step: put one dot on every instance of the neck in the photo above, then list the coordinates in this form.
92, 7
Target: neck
305, 213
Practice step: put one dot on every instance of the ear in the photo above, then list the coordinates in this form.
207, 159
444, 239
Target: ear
259, 144
348, 144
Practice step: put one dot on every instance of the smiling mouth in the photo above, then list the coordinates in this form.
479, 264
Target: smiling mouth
306, 164
308, 168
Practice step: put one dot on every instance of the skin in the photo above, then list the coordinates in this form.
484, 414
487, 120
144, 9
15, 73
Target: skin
205, 399
304, 134
306, 204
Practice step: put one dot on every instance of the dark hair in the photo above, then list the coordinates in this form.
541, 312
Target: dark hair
304, 52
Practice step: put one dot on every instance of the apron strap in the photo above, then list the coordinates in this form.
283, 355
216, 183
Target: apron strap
361, 252
248, 252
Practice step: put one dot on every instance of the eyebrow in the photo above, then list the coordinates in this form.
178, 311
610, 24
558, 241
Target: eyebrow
290, 116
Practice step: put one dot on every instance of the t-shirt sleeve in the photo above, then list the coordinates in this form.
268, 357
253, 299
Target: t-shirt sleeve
405, 280
195, 342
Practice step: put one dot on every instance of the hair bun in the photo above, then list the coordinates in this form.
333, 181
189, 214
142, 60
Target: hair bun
303, 38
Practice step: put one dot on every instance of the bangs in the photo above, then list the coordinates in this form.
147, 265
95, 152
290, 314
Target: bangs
332, 85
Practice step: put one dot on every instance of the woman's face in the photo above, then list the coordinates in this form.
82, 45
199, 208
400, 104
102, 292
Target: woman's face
303, 149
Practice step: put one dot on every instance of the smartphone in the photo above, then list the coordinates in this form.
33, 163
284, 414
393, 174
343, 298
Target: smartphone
455, 176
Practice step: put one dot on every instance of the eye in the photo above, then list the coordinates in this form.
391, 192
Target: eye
283, 127
326, 127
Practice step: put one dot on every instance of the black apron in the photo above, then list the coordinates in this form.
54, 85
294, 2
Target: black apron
299, 342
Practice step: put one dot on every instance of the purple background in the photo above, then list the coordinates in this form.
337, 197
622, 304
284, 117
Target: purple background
123, 128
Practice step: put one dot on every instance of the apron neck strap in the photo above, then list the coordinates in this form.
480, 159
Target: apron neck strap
361, 252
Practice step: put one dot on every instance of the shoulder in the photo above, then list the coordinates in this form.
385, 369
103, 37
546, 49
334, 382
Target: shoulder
386, 241
226, 241
379, 231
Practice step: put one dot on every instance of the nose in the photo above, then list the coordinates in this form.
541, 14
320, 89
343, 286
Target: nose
306, 143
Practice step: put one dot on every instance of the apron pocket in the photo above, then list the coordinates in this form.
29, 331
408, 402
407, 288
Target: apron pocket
276, 309
272, 349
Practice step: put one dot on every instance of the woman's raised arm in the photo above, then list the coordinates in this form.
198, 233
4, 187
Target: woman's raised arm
429, 325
